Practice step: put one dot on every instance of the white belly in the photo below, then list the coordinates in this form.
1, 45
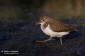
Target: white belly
51, 33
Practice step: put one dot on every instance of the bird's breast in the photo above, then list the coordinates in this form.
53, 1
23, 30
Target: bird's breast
48, 31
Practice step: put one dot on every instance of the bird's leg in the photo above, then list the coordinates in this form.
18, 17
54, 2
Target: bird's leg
61, 41
46, 40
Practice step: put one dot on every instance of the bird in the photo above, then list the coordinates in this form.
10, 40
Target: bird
54, 28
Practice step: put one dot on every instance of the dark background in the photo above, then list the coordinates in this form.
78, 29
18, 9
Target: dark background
18, 30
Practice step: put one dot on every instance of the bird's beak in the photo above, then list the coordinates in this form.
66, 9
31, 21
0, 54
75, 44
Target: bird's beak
37, 23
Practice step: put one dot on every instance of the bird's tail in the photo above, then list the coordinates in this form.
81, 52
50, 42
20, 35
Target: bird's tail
76, 29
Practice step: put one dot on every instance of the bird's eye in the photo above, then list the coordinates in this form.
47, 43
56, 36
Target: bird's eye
42, 20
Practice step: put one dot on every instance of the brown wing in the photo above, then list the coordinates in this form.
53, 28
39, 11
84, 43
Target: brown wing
58, 26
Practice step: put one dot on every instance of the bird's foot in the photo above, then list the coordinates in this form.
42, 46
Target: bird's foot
45, 40
42, 41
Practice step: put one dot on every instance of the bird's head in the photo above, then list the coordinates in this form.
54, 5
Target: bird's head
43, 19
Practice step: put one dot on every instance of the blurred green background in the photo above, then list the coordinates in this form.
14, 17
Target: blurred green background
55, 8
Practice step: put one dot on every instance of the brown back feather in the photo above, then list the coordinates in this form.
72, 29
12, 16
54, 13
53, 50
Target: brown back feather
58, 26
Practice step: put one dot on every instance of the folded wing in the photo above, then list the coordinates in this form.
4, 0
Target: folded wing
58, 26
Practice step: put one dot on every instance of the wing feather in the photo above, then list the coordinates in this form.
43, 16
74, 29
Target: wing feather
58, 26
